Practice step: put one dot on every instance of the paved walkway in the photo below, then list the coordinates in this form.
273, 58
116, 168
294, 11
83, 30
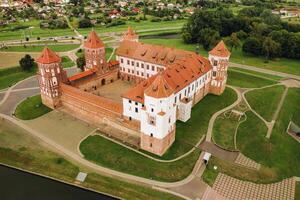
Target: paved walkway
247, 162
234, 189
219, 152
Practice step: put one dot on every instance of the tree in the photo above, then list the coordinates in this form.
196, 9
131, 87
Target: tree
270, 48
27, 63
80, 63
233, 41
209, 38
252, 45
85, 23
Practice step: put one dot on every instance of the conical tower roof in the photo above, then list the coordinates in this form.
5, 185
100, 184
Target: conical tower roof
159, 88
220, 50
93, 41
48, 56
130, 34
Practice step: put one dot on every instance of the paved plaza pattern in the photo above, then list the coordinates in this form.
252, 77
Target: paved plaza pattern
234, 189
247, 162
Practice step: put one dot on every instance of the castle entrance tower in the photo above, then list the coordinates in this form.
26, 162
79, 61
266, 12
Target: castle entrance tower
219, 59
130, 35
94, 51
50, 76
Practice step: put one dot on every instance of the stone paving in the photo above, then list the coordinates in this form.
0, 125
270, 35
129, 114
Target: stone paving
232, 188
247, 162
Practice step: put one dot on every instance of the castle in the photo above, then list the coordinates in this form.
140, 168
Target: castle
162, 85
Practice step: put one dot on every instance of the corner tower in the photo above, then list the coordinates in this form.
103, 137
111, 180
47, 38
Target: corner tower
158, 117
94, 51
50, 76
130, 35
219, 59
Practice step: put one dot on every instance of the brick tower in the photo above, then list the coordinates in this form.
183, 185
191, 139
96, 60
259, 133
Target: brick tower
50, 76
94, 52
130, 35
219, 58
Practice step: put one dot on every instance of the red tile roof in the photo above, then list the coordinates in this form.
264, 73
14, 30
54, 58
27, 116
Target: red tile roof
82, 75
182, 68
130, 34
220, 50
93, 41
48, 56
159, 88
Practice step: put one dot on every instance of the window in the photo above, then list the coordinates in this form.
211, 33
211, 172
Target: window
215, 63
175, 99
138, 73
142, 74
136, 103
137, 64
128, 62
153, 68
129, 101
132, 63
152, 110
214, 74
150, 144
147, 66
169, 120
142, 65
136, 110
121, 60
129, 118
151, 135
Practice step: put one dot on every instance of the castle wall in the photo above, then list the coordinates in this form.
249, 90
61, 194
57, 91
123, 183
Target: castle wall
155, 145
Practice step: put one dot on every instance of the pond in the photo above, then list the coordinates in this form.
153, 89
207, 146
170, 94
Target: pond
19, 185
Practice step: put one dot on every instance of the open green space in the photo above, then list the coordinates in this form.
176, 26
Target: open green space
138, 26
34, 31
10, 76
39, 48
265, 101
224, 131
297, 192
19, 149
66, 62
31, 108
114, 156
190, 132
243, 80
255, 73
279, 153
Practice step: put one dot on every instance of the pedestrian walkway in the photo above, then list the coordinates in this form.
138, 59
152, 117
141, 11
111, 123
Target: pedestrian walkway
232, 188
247, 162
219, 152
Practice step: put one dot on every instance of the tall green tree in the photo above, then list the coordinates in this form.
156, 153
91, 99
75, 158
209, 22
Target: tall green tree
270, 48
233, 41
27, 63
209, 38
80, 63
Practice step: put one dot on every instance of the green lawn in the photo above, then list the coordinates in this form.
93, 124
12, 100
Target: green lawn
138, 26
254, 73
265, 101
20, 149
33, 48
66, 62
10, 76
297, 193
35, 31
224, 131
117, 157
240, 79
189, 133
31, 108
210, 174
280, 152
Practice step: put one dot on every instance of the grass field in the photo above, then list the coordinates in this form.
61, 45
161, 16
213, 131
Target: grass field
19, 149
224, 132
66, 62
10, 76
243, 80
11, 59
31, 108
278, 152
117, 157
297, 194
138, 26
254, 73
33, 48
35, 31
189, 133
265, 101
